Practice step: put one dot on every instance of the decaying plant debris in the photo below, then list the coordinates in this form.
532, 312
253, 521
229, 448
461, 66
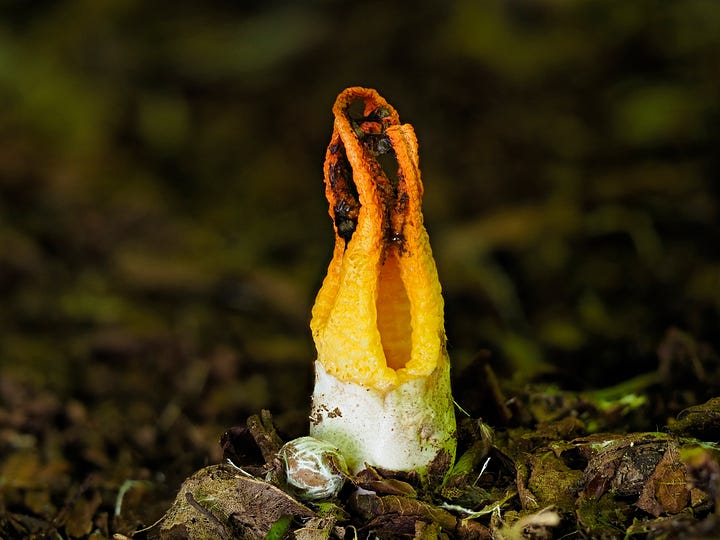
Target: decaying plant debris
544, 479
561, 464
537, 476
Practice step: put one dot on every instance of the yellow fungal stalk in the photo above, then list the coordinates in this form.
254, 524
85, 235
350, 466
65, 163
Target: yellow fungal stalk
382, 386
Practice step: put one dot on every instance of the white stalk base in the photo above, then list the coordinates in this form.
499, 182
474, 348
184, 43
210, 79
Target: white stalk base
403, 429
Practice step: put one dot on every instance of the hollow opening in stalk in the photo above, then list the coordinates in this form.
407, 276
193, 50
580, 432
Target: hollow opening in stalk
393, 313
392, 302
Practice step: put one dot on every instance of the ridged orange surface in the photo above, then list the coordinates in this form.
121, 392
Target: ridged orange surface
378, 317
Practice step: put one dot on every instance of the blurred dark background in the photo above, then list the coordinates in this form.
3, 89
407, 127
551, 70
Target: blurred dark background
163, 228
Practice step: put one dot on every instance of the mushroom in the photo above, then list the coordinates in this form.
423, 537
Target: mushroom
314, 469
382, 375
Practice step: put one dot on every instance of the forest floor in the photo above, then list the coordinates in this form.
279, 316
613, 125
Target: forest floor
163, 231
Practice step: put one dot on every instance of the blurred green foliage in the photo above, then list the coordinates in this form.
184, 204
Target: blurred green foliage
160, 179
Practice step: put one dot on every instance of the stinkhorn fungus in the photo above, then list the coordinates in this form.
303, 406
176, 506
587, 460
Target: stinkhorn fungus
382, 376
314, 469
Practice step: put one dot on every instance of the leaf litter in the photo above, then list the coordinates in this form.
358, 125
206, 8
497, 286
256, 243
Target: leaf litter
546, 477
